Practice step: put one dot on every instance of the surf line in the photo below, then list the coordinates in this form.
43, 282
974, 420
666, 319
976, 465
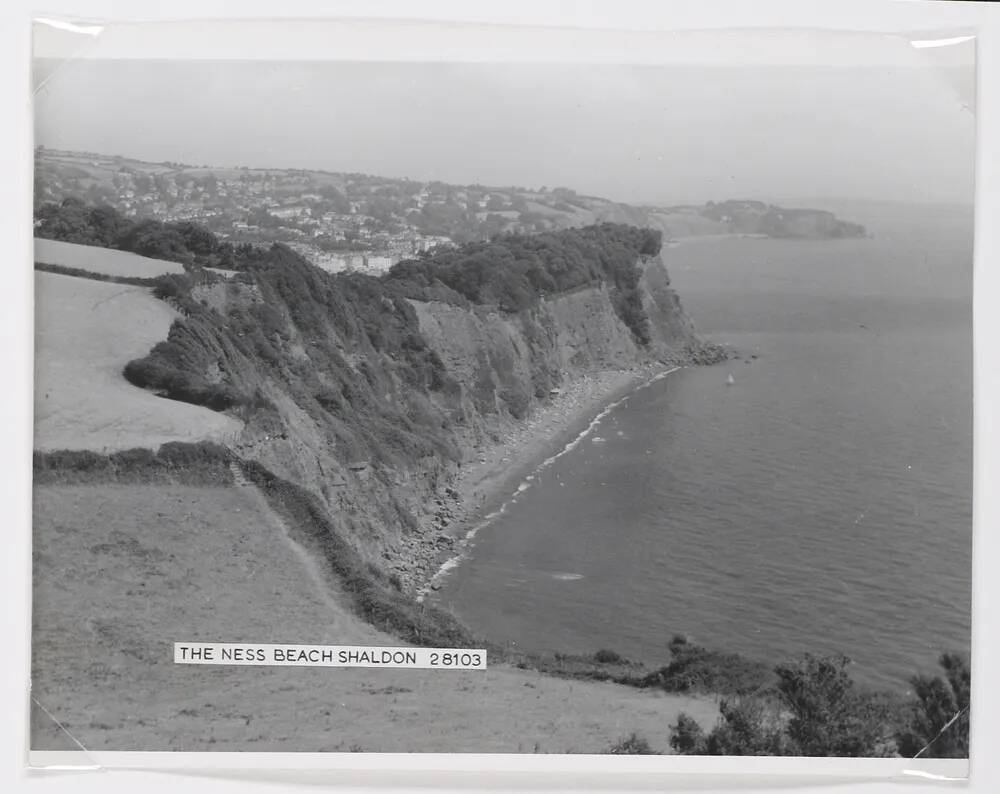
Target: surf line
452, 563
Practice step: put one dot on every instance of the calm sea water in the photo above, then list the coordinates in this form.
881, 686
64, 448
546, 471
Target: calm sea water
823, 502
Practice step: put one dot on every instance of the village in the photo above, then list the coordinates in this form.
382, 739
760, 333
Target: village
363, 223
339, 222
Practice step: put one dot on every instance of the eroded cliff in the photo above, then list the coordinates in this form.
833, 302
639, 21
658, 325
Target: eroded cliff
371, 393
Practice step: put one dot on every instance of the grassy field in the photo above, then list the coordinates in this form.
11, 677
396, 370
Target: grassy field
101, 260
85, 333
121, 572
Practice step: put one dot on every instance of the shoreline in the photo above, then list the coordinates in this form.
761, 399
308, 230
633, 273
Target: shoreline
482, 489
673, 242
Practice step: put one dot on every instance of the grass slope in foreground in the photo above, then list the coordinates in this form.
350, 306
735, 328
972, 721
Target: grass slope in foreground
158, 563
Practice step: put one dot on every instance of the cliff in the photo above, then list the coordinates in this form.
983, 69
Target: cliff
371, 393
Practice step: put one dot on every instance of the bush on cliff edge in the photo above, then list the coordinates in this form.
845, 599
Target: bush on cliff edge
815, 709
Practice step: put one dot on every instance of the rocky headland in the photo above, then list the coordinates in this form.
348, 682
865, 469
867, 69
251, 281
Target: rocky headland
406, 403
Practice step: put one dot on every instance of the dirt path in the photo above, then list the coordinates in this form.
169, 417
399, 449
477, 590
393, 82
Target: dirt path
327, 591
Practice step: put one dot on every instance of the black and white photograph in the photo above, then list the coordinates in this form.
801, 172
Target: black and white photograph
508, 406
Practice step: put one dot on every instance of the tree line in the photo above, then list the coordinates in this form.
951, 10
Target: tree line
187, 242
516, 271
812, 707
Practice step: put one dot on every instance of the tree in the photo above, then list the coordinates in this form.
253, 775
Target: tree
752, 725
937, 720
814, 709
199, 240
102, 225
687, 736
828, 715
107, 225
631, 745
151, 238
66, 221
694, 668
748, 726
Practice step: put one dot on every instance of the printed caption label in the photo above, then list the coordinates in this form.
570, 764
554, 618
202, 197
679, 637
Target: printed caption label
238, 653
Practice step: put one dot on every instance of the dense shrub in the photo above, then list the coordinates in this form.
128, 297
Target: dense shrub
135, 281
73, 460
632, 744
182, 454
189, 463
605, 656
829, 716
178, 384
936, 722
687, 736
747, 726
131, 460
693, 668
172, 285
573, 666
152, 238
73, 221
815, 709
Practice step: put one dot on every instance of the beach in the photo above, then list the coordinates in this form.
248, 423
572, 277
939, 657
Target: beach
498, 472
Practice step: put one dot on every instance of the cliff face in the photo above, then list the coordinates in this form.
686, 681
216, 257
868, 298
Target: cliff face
509, 362
372, 400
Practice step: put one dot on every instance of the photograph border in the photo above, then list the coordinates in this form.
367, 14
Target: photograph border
972, 23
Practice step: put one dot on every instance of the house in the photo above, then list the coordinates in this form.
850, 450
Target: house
290, 212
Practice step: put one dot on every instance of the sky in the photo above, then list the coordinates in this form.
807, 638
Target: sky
636, 133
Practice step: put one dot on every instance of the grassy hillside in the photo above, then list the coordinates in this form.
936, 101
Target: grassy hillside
156, 563
101, 260
86, 332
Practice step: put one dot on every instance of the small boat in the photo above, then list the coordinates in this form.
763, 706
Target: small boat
730, 380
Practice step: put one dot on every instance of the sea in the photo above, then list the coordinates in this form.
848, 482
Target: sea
811, 494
